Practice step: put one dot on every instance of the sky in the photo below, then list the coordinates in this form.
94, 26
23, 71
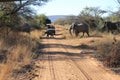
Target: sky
73, 7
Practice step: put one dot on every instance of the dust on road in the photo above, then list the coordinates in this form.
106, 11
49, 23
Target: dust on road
59, 60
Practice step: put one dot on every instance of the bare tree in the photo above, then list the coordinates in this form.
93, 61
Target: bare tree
118, 1
20, 6
11, 10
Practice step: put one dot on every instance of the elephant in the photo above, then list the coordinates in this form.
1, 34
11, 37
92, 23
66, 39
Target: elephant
77, 28
111, 26
52, 28
50, 31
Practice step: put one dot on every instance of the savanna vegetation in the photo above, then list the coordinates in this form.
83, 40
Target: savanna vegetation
108, 49
19, 49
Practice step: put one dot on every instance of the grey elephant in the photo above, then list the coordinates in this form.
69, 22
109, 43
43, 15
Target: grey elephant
50, 32
111, 26
77, 28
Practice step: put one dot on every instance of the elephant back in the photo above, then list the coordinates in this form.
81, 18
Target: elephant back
82, 27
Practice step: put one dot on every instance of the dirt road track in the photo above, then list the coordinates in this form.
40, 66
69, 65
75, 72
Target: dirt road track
60, 61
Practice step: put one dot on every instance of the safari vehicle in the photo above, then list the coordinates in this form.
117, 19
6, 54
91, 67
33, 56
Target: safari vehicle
50, 31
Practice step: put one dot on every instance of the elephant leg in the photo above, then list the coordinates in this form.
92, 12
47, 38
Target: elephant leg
47, 34
108, 30
76, 33
52, 34
88, 34
118, 30
83, 34
112, 31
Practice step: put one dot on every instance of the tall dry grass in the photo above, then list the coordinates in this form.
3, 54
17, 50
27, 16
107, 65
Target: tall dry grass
106, 44
65, 32
16, 51
108, 50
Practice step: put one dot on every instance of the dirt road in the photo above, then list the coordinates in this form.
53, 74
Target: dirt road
60, 60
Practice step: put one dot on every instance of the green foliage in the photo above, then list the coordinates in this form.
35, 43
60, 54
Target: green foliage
114, 17
60, 21
91, 16
1, 13
11, 12
41, 21
68, 20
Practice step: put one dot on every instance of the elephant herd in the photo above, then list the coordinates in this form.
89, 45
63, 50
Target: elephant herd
111, 26
84, 28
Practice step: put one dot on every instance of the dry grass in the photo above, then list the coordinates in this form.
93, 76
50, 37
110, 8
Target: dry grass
17, 51
65, 32
108, 49
106, 44
36, 34
113, 59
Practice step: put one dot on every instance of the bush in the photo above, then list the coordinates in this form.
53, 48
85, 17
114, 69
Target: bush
113, 59
109, 53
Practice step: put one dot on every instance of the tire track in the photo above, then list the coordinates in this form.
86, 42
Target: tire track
52, 70
88, 73
40, 68
78, 66
60, 64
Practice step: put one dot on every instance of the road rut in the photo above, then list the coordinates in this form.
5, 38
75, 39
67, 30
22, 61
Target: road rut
60, 61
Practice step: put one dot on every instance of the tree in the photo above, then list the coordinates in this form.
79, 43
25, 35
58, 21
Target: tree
118, 1
70, 19
67, 20
114, 15
91, 16
10, 11
21, 7
42, 20
60, 21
